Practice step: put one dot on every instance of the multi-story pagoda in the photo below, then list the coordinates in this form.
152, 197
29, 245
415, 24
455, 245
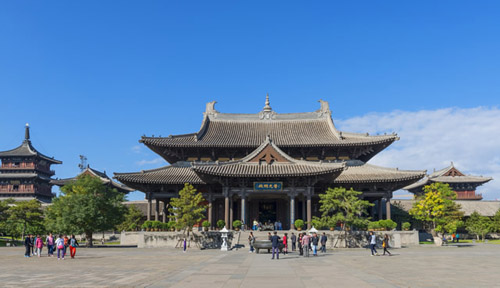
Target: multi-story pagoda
268, 166
25, 173
98, 174
464, 185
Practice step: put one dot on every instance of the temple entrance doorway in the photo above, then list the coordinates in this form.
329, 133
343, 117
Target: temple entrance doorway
267, 211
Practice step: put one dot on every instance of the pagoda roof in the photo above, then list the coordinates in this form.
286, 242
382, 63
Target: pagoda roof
310, 129
267, 161
177, 173
26, 149
23, 175
449, 174
95, 173
357, 171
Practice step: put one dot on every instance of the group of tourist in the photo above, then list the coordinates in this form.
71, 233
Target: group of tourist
259, 226
307, 243
35, 244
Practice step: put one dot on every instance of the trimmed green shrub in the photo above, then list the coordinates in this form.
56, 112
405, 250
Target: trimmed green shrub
375, 225
406, 226
299, 224
146, 225
387, 224
205, 224
221, 223
236, 224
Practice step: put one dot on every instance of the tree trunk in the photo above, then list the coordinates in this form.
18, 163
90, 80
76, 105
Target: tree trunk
88, 236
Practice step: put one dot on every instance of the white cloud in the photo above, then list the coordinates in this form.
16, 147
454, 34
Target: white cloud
150, 162
430, 139
136, 149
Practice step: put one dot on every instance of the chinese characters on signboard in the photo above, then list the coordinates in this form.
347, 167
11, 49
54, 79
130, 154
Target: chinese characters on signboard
268, 186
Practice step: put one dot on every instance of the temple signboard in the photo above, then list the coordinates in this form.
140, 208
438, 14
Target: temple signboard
267, 186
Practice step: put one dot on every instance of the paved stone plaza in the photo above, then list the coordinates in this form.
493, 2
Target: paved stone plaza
429, 266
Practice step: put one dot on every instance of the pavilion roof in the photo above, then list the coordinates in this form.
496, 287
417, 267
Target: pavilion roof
95, 173
449, 174
310, 129
267, 161
26, 149
357, 171
177, 173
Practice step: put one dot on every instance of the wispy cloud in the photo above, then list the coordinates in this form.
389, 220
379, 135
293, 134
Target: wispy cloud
136, 149
431, 139
158, 160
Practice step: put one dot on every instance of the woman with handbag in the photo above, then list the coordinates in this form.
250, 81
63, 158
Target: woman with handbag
60, 247
385, 244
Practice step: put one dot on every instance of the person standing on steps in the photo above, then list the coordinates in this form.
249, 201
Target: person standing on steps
294, 241
275, 241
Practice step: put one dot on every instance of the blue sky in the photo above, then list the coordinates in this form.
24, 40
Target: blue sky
91, 77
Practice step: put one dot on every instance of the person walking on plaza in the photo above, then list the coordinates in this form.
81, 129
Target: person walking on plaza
66, 244
39, 245
50, 245
458, 237
285, 244
305, 244
251, 240
60, 247
294, 241
315, 241
301, 249
373, 242
385, 244
33, 248
453, 237
72, 246
255, 225
323, 242
27, 245
275, 240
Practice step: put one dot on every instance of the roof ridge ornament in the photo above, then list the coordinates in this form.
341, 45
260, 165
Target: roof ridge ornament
267, 112
324, 109
210, 108
267, 107
27, 133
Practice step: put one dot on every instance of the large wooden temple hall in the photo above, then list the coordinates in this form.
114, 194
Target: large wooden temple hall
268, 166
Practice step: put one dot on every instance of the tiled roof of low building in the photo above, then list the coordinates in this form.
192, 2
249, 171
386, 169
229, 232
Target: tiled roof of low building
449, 174
178, 173
101, 175
358, 172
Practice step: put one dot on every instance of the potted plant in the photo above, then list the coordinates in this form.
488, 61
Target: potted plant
237, 225
299, 223
171, 225
406, 226
374, 226
155, 225
205, 225
221, 224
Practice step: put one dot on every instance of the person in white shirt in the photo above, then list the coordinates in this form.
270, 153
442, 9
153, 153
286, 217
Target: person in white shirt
373, 242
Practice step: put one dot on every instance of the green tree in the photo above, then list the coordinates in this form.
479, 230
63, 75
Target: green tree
344, 206
188, 209
437, 209
4, 214
496, 222
86, 206
479, 225
26, 216
132, 221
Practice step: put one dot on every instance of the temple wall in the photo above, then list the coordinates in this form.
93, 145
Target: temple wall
207, 240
